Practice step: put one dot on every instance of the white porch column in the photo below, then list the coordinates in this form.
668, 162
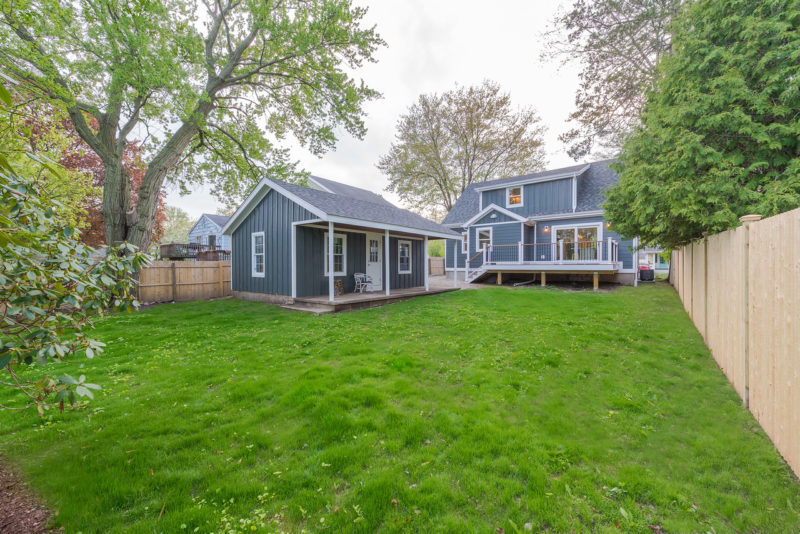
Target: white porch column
294, 261
330, 261
425, 246
455, 270
386, 263
635, 262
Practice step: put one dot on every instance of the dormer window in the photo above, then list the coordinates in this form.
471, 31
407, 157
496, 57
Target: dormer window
514, 197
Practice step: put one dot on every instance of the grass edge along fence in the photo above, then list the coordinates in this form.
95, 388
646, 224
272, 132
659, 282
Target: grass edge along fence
741, 289
167, 281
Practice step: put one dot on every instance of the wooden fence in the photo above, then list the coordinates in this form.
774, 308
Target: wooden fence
166, 281
436, 266
742, 290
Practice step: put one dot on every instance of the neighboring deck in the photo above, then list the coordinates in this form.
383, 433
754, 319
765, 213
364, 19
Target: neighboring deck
358, 301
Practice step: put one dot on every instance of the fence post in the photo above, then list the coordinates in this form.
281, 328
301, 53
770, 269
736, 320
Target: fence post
746, 221
705, 285
174, 282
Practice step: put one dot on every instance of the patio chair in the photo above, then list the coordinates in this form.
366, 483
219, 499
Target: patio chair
361, 282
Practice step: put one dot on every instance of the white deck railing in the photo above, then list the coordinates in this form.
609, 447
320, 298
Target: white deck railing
554, 253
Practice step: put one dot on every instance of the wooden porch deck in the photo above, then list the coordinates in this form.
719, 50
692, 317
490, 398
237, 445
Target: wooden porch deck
358, 301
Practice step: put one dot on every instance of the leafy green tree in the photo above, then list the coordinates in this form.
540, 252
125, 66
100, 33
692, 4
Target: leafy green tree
51, 286
618, 44
446, 142
213, 85
720, 134
176, 229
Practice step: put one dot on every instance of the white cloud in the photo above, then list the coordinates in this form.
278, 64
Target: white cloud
431, 46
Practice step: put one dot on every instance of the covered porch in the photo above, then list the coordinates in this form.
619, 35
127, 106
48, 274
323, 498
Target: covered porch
330, 257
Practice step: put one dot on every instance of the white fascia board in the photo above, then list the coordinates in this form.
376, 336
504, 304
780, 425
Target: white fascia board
257, 195
525, 181
318, 184
388, 226
570, 215
494, 207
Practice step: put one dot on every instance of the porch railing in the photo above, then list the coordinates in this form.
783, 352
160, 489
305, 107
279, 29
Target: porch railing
560, 252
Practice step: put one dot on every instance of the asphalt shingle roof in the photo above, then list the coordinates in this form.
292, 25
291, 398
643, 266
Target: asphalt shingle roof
374, 211
592, 185
219, 220
350, 191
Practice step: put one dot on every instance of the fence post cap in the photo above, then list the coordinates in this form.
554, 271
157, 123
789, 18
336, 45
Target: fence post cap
750, 218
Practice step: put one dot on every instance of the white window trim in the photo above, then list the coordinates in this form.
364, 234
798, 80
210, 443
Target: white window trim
253, 254
521, 196
478, 235
554, 230
465, 242
410, 262
343, 272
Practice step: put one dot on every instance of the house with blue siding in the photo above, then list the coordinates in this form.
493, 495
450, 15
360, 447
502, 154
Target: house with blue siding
543, 224
208, 231
290, 242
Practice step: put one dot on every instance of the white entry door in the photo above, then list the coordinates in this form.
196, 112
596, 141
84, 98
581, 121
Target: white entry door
375, 260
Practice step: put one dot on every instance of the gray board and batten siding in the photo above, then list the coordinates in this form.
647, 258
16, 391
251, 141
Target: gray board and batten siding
274, 215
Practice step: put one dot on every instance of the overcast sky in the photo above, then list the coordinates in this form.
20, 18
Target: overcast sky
432, 45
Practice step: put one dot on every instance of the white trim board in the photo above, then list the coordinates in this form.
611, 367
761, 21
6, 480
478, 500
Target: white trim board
488, 209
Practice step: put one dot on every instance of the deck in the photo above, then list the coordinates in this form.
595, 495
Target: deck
358, 301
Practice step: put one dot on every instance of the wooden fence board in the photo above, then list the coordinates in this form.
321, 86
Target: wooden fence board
710, 277
166, 281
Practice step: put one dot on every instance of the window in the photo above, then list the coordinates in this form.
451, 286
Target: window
374, 250
198, 239
257, 249
514, 197
339, 254
404, 257
484, 238
465, 243
581, 243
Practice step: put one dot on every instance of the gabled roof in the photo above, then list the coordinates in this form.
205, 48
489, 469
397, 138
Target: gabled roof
219, 220
593, 181
342, 209
346, 190
494, 207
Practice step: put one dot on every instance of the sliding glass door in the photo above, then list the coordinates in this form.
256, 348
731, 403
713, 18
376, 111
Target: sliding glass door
577, 243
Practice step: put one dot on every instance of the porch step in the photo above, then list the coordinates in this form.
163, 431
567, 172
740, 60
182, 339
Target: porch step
316, 309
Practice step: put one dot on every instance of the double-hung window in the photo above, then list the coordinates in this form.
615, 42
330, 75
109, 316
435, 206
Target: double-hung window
339, 254
257, 258
404, 257
514, 197
484, 238
465, 243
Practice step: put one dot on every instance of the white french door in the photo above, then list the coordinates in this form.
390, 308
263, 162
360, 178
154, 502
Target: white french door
375, 260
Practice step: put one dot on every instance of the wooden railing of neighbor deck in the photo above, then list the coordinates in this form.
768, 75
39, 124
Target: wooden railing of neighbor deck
167, 281
742, 290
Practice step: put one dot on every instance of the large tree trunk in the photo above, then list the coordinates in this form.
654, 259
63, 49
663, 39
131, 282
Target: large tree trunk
116, 202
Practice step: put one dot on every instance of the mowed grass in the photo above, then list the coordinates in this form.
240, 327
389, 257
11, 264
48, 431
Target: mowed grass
472, 411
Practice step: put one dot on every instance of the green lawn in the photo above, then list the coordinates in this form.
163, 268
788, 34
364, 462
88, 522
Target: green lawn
462, 412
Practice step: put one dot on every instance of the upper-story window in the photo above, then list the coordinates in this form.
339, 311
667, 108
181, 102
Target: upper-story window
514, 197
464, 242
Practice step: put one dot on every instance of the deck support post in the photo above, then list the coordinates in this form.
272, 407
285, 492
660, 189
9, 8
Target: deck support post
499, 278
427, 263
544, 278
455, 271
330, 261
387, 255
595, 281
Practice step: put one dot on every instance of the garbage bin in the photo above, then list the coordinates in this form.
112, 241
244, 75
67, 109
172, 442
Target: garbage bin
646, 274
